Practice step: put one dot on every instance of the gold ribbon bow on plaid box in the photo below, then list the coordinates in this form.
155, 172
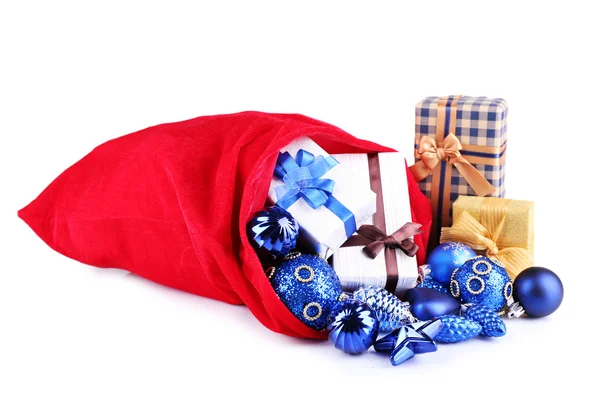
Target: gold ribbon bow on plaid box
436, 155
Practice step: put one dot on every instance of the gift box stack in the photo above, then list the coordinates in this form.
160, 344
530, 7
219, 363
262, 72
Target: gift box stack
345, 250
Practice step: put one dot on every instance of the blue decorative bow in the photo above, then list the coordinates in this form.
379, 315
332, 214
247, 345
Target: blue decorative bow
302, 179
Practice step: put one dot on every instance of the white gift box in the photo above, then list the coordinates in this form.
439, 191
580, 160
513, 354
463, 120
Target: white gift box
354, 268
321, 231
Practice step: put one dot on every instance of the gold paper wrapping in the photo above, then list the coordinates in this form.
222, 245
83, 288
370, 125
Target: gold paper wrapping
499, 228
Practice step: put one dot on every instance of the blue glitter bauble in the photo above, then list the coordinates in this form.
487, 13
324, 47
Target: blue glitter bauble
446, 257
308, 286
272, 232
482, 281
539, 291
353, 326
491, 324
457, 329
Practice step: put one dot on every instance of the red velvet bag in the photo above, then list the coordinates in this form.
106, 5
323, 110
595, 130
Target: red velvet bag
170, 203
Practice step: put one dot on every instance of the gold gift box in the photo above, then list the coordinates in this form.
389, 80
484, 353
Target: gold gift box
498, 228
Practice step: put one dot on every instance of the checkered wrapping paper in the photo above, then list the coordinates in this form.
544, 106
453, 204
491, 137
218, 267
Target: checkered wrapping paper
480, 121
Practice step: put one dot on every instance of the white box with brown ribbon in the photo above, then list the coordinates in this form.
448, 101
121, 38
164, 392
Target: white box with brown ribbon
386, 236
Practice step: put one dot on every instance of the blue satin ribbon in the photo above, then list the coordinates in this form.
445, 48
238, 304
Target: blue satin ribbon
302, 179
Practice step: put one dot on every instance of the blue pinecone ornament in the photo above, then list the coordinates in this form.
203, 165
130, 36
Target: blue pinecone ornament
272, 232
431, 283
457, 329
308, 286
391, 312
482, 280
353, 326
491, 324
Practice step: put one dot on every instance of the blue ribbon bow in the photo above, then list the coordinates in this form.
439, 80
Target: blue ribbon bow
302, 179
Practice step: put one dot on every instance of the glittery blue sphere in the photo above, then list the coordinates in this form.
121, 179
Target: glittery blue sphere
353, 326
272, 232
482, 281
446, 257
309, 287
539, 291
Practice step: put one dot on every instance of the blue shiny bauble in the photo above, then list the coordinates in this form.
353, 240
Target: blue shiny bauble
482, 280
446, 257
539, 291
272, 232
428, 303
308, 286
353, 326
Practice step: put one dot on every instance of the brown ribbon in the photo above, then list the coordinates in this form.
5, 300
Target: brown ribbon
432, 152
483, 235
379, 228
375, 240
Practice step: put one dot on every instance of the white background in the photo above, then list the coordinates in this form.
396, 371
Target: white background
73, 76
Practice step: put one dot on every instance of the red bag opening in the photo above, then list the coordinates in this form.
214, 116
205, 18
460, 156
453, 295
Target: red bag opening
170, 203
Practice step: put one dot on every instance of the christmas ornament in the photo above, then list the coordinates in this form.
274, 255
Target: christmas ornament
539, 291
457, 329
431, 283
428, 303
446, 257
308, 286
482, 280
491, 324
391, 312
353, 326
409, 340
272, 232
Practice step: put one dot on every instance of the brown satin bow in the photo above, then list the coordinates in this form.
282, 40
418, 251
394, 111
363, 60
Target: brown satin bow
375, 240
431, 153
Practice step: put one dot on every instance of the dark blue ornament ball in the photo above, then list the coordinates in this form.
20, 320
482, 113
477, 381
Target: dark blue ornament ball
308, 286
272, 232
482, 280
446, 257
428, 303
539, 291
353, 326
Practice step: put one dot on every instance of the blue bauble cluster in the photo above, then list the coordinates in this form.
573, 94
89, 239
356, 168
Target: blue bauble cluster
308, 286
446, 257
272, 232
353, 326
482, 281
539, 291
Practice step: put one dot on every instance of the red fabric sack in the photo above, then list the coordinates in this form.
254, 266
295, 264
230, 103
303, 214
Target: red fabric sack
170, 203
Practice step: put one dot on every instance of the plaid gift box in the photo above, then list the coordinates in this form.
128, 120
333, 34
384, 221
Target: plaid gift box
460, 149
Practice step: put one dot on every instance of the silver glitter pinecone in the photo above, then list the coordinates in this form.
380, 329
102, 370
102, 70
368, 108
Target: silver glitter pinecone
391, 312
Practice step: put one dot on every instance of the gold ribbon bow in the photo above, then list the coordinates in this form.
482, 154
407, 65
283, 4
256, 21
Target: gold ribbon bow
431, 153
484, 238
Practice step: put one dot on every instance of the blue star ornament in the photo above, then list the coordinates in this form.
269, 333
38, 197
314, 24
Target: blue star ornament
409, 340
